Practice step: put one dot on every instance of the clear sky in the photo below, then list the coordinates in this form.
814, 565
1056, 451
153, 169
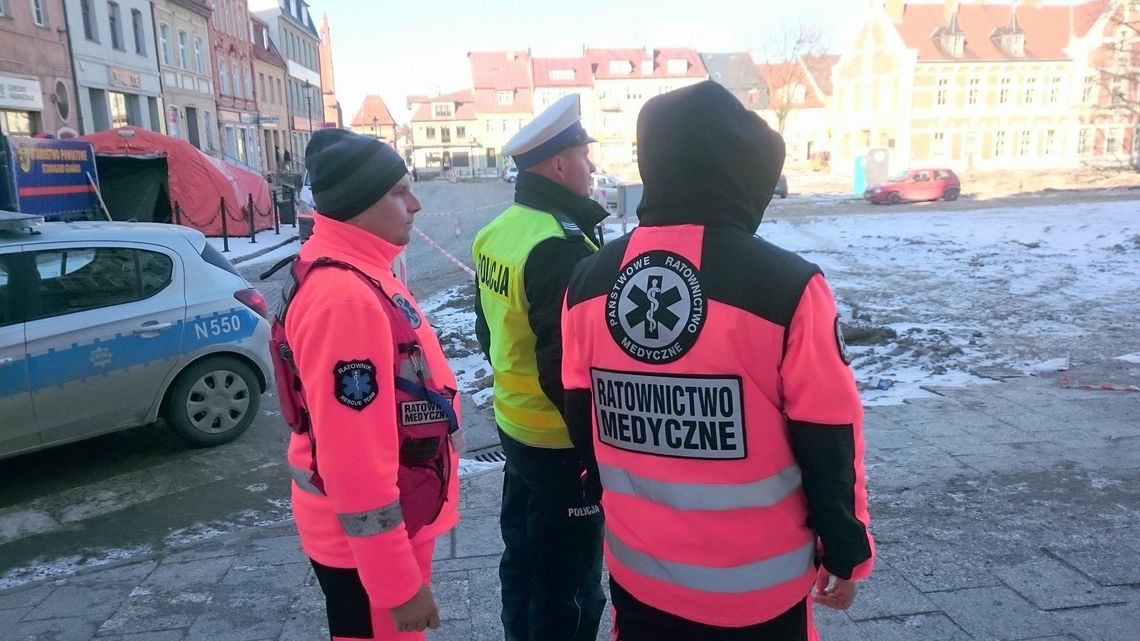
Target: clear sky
401, 48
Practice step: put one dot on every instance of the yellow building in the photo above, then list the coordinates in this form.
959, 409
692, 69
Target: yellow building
443, 138
968, 86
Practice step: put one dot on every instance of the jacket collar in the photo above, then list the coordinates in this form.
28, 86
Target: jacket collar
543, 194
351, 244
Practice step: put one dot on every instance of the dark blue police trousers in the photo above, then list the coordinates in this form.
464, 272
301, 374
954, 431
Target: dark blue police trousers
551, 571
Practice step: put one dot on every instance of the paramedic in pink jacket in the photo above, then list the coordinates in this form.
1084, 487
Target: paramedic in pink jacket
705, 370
372, 560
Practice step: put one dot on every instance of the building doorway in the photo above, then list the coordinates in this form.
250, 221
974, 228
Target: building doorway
192, 127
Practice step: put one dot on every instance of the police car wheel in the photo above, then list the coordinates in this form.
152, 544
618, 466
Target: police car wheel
213, 401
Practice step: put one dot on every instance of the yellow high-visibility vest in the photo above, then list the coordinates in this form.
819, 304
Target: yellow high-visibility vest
500, 252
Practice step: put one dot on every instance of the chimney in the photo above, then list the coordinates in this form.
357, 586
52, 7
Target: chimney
895, 9
949, 9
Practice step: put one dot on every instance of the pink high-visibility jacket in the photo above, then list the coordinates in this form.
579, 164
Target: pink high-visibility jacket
343, 350
726, 421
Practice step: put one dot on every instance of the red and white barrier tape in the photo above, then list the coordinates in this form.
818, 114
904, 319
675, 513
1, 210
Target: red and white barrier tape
443, 251
1067, 384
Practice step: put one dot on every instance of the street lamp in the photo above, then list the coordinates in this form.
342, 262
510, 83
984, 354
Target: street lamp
375, 121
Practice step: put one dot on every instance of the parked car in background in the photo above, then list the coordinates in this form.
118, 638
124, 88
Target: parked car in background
106, 326
782, 186
604, 189
914, 185
510, 173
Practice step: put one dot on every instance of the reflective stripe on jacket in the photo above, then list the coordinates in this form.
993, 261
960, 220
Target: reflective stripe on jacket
336, 322
702, 349
500, 252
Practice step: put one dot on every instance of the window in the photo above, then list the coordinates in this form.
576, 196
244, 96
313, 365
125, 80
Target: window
1055, 90
3, 12
938, 146
1003, 93
677, 65
261, 84
39, 14
137, 27
82, 278
445, 134
1089, 93
943, 90
429, 133
224, 77
247, 76
235, 69
633, 93
229, 17
183, 52
1110, 142
1084, 141
1118, 91
503, 124
1050, 141
442, 110
199, 60
561, 74
1030, 91
115, 17
506, 97
1025, 143
89, 30
999, 144
461, 132
119, 115
164, 42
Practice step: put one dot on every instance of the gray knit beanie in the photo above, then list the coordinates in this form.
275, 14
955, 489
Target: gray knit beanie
349, 172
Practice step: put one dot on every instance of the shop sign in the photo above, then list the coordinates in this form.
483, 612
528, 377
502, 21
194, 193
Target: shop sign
21, 94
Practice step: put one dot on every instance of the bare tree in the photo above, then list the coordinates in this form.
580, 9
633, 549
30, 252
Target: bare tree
786, 72
1118, 63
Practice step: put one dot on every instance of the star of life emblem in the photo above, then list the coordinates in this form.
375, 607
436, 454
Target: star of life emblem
656, 308
354, 383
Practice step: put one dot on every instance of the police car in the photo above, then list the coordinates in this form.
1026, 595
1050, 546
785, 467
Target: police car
106, 326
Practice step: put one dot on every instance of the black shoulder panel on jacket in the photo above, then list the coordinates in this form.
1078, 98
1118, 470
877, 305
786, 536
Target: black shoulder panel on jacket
595, 275
752, 274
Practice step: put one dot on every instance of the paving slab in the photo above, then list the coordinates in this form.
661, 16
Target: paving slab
1051, 585
888, 594
67, 629
995, 612
917, 627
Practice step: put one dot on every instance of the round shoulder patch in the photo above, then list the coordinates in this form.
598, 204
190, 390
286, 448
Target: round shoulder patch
656, 308
841, 343
354, 383
409, 310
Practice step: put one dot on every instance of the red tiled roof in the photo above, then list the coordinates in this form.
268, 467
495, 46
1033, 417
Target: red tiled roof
579, 66
1046, 30
487, 101
500, 70
600, 61
819, 66
373, 107
1085, 15
779, 75
464, 101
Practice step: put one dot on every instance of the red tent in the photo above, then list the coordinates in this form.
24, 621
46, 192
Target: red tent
194, 182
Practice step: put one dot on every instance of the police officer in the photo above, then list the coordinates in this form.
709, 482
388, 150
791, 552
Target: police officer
375, 481
705, 368
551, 568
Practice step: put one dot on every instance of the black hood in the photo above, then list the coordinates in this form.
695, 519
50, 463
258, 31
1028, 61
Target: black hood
705, 159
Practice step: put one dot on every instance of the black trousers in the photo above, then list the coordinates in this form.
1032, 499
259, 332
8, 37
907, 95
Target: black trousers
551, 571
636, 621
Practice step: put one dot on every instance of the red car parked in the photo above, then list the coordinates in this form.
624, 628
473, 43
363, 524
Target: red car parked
916, 184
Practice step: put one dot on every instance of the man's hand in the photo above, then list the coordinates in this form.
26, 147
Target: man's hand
834, 592
418, 614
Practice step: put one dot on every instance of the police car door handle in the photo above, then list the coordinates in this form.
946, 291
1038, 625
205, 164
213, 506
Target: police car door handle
150, 327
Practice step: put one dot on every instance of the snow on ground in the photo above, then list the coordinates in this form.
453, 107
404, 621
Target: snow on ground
941, 299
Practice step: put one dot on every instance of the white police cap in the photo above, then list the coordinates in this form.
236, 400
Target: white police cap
551, 131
